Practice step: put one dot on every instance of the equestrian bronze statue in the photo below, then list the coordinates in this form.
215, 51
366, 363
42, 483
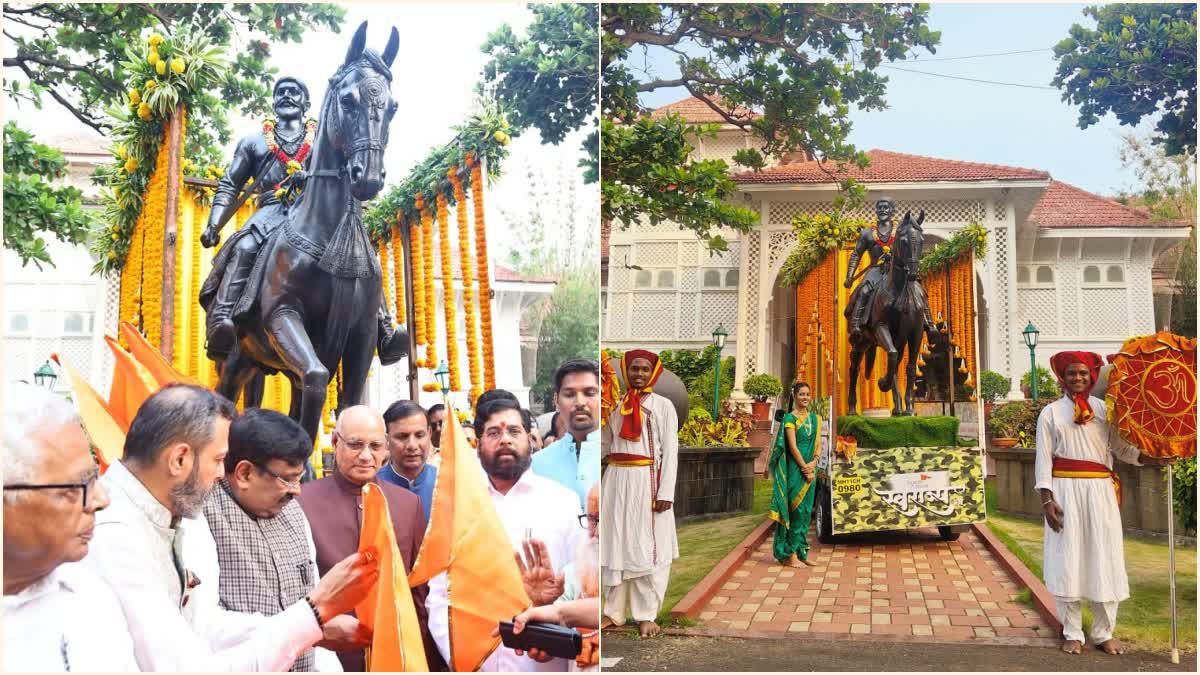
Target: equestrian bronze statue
311, 300
889, 309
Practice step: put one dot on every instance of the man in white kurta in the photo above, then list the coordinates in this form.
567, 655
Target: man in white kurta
1084, 556
638, 539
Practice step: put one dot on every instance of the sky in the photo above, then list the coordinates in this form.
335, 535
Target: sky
434, 76
990, 123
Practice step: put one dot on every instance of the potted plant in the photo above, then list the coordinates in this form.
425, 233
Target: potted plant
992, 387
1005, 422
762, 387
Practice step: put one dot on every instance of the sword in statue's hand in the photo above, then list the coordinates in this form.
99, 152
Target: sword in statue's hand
212, 234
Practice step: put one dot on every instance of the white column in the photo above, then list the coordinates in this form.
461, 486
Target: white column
1009, 327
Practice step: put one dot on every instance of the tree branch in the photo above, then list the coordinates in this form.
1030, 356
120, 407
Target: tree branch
80, 115
166, 24
10, 62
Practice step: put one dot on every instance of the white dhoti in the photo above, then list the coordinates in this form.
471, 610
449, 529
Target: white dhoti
637, 544
1085, 559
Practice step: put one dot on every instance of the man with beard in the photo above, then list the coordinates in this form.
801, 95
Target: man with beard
264, 548
1080, 494
437, 423
529, 506
573, 461
333, 506
174, 453
638, 538
57, 615
409, 443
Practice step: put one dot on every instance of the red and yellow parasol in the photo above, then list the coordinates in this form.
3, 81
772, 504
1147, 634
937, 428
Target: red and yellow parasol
1152, 394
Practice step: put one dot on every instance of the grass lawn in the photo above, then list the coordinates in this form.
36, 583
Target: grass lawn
702, 544
1144, 620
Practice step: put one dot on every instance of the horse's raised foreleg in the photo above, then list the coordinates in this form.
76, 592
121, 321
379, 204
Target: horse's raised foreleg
883, 338
294, 348
236, 372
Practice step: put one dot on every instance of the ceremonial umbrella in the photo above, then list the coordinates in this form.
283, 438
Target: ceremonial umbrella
1152, 403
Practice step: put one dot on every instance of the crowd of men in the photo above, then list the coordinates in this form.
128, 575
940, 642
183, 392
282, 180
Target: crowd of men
202, 550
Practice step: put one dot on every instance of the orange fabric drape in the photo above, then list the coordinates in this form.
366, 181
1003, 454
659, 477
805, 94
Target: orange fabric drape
107, 435
132, 384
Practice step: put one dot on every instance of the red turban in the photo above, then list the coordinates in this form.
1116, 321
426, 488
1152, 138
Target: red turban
1093, 361
631, 404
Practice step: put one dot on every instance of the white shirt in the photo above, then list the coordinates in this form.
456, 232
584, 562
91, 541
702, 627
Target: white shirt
551, 513
176, 628
68, 621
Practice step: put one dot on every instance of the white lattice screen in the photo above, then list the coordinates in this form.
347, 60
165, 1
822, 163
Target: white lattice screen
618, 316
657, 254
749, 351
18, 358
1103, 249
1004, 262
939, 211
111, 326
1141, 319
729, 258
719, 307
689, 279
1066, 273
779, 246
654, 316
689, 312
1108, 315
723, 147
689, 253
1000, 210
1039, 305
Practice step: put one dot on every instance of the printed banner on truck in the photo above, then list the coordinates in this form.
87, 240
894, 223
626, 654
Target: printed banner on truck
904, 488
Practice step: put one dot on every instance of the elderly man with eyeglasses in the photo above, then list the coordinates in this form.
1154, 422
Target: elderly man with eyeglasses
333, 506
58, 616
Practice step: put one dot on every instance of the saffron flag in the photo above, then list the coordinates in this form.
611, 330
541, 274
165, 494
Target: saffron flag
107, 435
466, 539
132, 384
152, 359
388, 610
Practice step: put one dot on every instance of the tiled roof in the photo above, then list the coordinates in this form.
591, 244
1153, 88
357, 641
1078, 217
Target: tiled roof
1063, 205
81, 143
692, 109
889, 166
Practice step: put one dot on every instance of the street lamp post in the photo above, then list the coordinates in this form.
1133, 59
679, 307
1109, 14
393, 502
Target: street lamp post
443, 375
719, 334
45, 376
1031, 340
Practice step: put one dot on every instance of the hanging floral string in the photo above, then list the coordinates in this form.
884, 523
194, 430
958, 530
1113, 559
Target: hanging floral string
385, 267
418, 281
481, 255
398, 274
448, 293
467, 264
430, 299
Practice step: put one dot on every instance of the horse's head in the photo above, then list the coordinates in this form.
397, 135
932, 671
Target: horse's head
910, 241
359, 109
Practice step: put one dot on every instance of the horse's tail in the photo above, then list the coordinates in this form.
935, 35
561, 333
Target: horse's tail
338, 321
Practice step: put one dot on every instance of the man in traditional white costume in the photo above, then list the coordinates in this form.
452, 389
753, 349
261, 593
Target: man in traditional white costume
640, 446
1084, 554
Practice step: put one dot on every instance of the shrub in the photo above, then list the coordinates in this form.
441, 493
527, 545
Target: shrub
993, 386
702, 386
688, 364
725, 432
697, 413
1185, 493
762, 386
1047, 384
1017, 419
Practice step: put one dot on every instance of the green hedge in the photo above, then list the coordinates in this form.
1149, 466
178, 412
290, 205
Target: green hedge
900, 432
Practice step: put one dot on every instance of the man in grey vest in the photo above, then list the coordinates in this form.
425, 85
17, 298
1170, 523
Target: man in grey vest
264, 546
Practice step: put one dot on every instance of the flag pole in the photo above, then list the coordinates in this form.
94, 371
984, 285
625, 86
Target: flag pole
1171, 559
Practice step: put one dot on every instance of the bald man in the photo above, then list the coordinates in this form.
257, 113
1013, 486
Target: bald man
333, 506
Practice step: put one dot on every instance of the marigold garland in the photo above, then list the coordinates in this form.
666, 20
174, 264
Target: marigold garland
448, 294
418, 274
430, 299
385, 267
467, 263
481, 256
153, 220
398, 273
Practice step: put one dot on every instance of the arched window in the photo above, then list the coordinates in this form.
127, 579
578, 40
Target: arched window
712, 278
1022, 276
1045, 275
1091, 274
1115, 274
731, 279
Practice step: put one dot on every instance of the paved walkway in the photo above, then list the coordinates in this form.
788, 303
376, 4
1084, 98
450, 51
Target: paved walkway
909, 586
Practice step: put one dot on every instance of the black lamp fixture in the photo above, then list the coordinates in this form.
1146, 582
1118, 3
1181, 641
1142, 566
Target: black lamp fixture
1031, 340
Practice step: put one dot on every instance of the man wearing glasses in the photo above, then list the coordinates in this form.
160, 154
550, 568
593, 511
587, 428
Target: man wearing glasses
264, 546
57, 615
333, 506
532, 509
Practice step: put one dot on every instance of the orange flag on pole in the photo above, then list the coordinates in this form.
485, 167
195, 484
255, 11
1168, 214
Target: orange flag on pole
107, 435
151, 358
388, 610
132, 384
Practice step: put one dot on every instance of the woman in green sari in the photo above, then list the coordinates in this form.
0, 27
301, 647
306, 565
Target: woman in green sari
793, 468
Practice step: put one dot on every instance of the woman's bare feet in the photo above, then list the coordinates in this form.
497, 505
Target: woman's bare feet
1111, 646
606, 622
648, 629
1072, 646
793, 561
808, 562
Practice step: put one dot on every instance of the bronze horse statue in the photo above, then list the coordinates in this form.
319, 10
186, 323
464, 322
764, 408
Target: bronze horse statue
313, 299
897, 320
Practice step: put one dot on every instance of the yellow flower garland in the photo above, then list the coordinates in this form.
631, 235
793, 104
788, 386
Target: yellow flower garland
418, 271
430, 300
398, 271
467, 264
448, 293
481, 257
385, 264
153, 217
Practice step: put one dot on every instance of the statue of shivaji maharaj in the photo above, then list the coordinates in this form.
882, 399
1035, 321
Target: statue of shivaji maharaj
270, 164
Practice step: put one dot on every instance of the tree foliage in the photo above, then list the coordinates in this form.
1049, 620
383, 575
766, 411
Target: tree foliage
1139, 61
33, 204
72, 53
788, 73
570, 328
549, 77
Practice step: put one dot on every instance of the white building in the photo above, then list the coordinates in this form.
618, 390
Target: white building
1075, 264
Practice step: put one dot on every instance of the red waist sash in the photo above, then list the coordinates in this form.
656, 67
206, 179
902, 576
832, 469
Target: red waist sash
1078, 468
